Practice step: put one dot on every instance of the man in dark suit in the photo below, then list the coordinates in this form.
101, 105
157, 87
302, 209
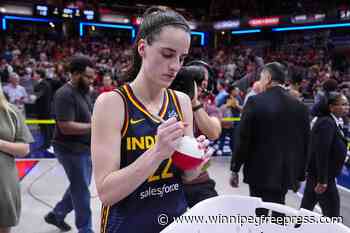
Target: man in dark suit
44, 94
273, 140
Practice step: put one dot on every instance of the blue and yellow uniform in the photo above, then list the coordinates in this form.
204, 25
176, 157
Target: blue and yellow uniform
161, 193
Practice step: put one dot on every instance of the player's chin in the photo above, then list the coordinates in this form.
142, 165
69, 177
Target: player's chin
165, 83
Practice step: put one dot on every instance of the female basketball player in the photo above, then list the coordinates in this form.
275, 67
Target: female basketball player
139, 186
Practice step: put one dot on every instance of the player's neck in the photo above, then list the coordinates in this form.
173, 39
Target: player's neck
146, 91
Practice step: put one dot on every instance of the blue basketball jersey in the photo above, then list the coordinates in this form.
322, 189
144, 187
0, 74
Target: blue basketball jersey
161, 193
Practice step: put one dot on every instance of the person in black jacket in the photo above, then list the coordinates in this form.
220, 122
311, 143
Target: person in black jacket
273, 140
44, 94
328, 147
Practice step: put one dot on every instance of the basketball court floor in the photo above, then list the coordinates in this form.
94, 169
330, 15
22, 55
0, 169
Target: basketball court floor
45, 183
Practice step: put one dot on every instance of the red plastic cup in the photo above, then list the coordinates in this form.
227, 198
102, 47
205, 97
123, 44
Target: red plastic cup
187, 154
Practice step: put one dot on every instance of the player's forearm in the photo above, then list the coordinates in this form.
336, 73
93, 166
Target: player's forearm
119, 184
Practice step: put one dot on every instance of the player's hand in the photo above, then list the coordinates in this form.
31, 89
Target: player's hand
168, 134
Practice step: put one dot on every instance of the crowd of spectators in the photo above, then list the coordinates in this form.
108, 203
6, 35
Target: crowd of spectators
27, 59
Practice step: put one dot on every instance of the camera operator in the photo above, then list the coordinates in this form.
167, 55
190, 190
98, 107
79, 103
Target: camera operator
193, 80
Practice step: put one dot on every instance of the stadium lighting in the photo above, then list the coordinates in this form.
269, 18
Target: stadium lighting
3, 24
246, 31
201, 34
8, 17
106, 25
320, 26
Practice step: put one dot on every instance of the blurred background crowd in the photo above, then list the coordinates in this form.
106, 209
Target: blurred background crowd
34, 57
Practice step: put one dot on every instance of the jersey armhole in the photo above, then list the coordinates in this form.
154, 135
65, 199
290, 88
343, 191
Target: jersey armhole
177, 104
126, 113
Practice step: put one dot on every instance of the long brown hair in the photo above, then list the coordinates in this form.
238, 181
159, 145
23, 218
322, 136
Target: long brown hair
154, 19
